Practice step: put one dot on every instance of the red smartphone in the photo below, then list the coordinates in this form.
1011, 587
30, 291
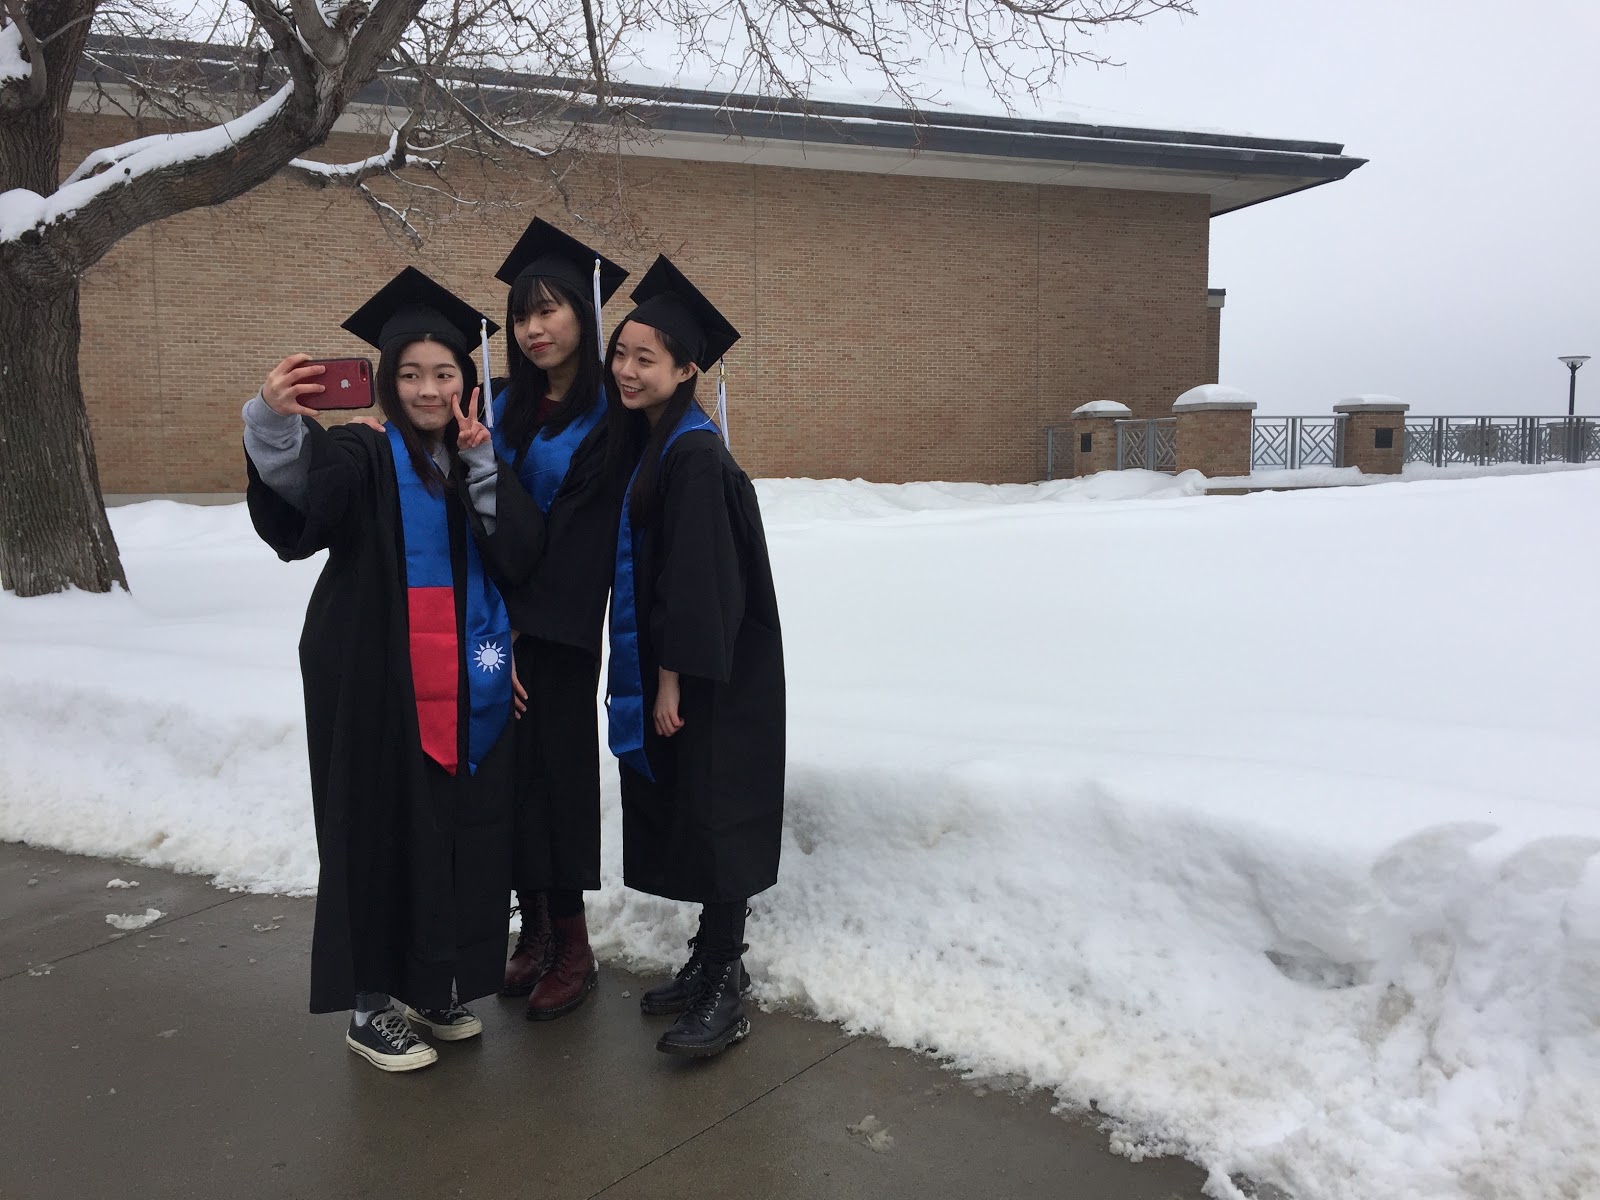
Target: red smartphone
346, 383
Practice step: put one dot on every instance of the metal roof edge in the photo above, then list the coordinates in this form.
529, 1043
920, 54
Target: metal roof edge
788, 119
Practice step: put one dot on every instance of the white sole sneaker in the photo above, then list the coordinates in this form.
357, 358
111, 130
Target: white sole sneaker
446, 1033
426, 1056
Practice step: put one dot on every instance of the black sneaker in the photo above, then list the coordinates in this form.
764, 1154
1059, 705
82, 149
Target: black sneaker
715, 1017
388, 1043
453, 1024
674, 995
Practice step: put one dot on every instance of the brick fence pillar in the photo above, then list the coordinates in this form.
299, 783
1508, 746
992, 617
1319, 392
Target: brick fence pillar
1093, 430
1214, 430
1374, 434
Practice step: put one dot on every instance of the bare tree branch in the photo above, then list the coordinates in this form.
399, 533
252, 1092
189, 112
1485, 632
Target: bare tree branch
377, 38
328, 47
38, 81
291, 49
495, 134
391, 215
596, 59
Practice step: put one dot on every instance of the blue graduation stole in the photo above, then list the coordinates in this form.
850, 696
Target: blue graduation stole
435, 650
625, 676
544, 467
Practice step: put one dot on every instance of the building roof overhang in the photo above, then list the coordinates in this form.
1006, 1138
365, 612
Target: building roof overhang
1233, 171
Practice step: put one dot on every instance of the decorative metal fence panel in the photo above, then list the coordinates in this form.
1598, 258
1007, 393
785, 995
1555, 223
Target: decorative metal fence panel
1484, 441
1151, 445
1288, 443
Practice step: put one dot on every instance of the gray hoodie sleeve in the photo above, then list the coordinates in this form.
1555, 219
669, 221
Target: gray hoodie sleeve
276, 445
483, 478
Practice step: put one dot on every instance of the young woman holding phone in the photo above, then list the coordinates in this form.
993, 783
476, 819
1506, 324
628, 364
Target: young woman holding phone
406, 662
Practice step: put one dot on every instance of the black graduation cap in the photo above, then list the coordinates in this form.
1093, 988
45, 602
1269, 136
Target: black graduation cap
669, 302
410, 306
545, 250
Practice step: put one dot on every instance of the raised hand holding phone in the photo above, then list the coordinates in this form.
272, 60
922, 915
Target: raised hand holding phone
287, 382
470, 432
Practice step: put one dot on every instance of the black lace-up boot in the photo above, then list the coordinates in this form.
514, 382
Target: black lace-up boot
721, 938
674, 995
715, 1017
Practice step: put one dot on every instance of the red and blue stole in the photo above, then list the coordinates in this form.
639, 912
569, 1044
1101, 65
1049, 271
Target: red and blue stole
548, 458
435, 641
625, 674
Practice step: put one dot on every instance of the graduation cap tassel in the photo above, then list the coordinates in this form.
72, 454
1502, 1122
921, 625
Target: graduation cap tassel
722, 401
599, 328
483, 392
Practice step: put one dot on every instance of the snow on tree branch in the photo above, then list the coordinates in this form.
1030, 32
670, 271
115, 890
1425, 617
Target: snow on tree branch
400, 219
397, 155
23, 212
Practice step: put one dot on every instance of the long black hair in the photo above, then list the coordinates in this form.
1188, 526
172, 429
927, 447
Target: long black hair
529, 382
626, 429
383, 381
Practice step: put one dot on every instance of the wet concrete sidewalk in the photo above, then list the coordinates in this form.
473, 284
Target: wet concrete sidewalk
178, 1061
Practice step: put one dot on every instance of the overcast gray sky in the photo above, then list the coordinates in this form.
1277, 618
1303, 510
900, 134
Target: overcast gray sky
1455, 266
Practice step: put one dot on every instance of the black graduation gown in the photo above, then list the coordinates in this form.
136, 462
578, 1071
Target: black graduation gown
414, 863
708, 829
561, 617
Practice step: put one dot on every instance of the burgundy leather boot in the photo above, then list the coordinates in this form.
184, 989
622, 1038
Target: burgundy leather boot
534, 944
571, 974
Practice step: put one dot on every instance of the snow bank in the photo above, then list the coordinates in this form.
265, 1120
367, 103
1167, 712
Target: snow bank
1410, 473
1265, 825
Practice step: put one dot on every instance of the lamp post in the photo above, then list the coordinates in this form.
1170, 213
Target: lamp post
1573, 361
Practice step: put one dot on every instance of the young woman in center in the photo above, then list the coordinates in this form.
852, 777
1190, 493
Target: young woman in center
696, 688
550, 428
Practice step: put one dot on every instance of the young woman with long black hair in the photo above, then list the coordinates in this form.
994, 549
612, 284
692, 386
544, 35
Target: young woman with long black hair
696, 670
406, 662
550, 428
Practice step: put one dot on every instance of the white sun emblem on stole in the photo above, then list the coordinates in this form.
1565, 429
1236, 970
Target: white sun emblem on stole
490, 657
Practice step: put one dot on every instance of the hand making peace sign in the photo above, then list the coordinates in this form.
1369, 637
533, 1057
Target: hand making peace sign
470, 432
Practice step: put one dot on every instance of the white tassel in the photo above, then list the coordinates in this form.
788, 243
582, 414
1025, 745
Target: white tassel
599, 328
722, 402
483, 394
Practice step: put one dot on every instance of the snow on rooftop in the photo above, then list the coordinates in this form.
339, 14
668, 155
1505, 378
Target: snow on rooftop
1102, 406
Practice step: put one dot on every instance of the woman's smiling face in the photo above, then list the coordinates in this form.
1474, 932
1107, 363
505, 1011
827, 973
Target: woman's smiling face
549, 333
427, 379
646, 376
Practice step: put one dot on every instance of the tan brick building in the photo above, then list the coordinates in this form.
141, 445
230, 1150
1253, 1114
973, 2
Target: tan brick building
917, 301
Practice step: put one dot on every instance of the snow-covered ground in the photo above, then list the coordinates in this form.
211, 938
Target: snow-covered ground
1267, 825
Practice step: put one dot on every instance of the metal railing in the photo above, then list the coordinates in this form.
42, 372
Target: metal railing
1288, 443
1149, 444
1057, 445
1485, 441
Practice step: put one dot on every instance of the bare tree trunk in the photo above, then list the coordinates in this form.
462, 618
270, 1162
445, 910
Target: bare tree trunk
53, 528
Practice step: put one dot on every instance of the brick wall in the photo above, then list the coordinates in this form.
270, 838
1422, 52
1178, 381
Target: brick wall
895, 327
1215, 442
